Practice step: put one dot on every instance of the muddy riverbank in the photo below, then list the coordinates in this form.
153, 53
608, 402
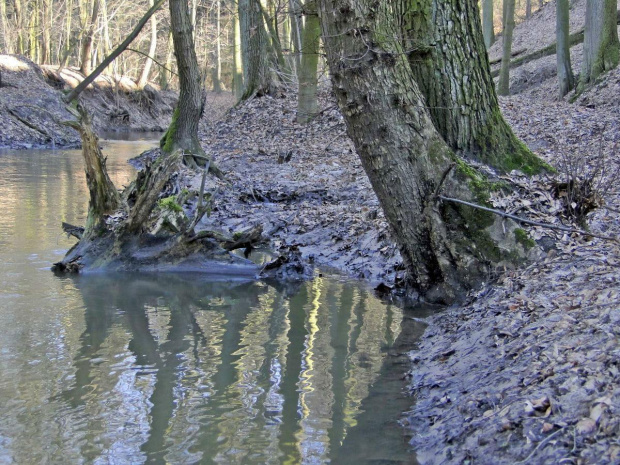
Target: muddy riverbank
32, 111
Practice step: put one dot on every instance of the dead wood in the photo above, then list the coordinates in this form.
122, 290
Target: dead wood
71, 230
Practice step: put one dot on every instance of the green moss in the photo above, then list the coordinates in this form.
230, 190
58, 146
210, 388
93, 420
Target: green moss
522, 237
501, 149
167, 141
169, 203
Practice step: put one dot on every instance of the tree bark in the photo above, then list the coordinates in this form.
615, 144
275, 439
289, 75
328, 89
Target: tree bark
447, 54
447, 250
308, 78
488, 28
104, 198
503, 86
237, 57
601, 49
86, 63
257, 79
566, 79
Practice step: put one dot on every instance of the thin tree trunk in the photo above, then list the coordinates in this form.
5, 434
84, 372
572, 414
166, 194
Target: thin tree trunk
528, 9
237, 58
69, 42
217, 59
565, 71
146, 70
308, 78
295, 18
46, 39
165, 76
488, 28
503, 86
86, 65
19, 26
7, 42
601, 49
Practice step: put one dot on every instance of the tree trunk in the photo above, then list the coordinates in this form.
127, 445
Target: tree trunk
456, 82
19, 25
565, 71
601, 49
447, 250
528, 9
183, 131
488, 28
295, 17
86, 63
46, 38
164, 73
237, 58
308, 78
217, 58
7, 43
146, 70
503, 86
104, 198
257, 79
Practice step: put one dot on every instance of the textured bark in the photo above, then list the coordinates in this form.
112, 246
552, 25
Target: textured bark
450, 63
254, 47
446, 250
503, 86
104, 198
146, 70
601, 49
308, 78
566, 79
487, 23
183, 131
86, 62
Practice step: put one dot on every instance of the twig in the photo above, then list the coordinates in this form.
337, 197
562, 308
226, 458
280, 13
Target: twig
443, 178
544, 441
523, 220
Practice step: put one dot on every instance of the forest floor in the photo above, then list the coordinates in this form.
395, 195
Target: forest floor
528, 369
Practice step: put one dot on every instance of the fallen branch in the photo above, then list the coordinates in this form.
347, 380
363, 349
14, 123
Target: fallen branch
524, 221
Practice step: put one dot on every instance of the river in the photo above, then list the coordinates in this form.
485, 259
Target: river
158, 368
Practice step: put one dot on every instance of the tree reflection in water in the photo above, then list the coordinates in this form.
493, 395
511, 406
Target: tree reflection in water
173, 368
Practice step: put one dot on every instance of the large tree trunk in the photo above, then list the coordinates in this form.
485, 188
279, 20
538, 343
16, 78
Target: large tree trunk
601, 49
503, 86
446, 249
456, 82
308, 77
565, 72
488, 28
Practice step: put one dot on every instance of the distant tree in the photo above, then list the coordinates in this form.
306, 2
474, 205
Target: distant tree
488, 28
601, 49
565, 72
308, 79
503, 86
146, 69
90, 14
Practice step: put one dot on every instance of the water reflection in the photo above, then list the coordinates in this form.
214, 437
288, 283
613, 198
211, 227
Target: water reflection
175, 369
156, 369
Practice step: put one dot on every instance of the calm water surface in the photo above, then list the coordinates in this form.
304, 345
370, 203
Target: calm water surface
174, 368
